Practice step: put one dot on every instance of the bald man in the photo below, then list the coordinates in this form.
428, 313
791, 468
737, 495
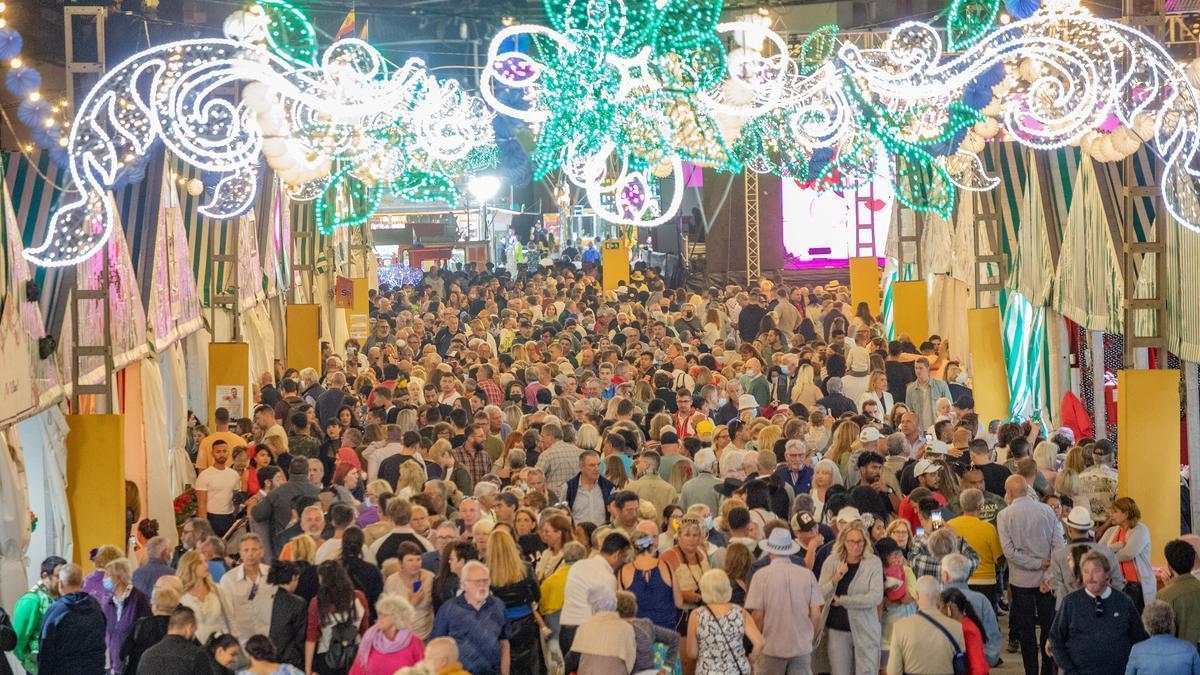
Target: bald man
1029, 534
441, 655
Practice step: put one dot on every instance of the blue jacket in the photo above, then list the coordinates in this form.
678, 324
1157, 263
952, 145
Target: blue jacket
1163, 655
72, 641
606, 490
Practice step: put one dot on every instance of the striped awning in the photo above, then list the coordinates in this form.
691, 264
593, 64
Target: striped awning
35, 185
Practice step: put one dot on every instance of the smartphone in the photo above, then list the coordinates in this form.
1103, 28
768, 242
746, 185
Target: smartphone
935, 519
416, 586
920, 532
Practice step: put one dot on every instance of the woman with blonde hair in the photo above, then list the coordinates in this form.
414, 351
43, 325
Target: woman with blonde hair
845, 435
877, 391
440, 454
681, 472
716, 630
805, 391
406, 419
1066, 484
714, 326
688, 559
203, 596
1046, 456
900, 531
614, 471
302, 548
587, 437
411, 480
1075, 460
826, 474
643, 393
514, 584
764, 441
657, 423
852, 582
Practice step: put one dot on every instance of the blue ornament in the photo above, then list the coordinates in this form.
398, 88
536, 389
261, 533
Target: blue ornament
816, 165
21, 81
977, 97
59, 156
45, 138
33, 113
1021, 9
10, 43
947, 147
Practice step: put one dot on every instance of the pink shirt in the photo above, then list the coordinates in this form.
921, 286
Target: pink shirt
379, 663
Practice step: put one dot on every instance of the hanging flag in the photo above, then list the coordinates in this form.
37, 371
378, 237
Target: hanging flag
363, 35
347, 27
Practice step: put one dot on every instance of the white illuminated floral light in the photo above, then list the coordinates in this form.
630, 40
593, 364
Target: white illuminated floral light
170, 93
765, 76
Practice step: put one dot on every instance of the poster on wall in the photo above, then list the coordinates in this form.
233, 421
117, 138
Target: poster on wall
233, 399
343, 293
360, 326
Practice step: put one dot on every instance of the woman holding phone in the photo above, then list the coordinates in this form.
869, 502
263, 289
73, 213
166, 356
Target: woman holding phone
414, 584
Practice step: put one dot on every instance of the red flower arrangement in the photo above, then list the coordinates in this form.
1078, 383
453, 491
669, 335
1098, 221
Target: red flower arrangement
187, 505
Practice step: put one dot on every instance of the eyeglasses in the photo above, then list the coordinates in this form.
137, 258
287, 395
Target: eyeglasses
253, 591
1099, 608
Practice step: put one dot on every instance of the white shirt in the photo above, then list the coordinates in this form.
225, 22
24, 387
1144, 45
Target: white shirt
220, 484
249, 617
331, 549
376, 455
589, 505
581, 578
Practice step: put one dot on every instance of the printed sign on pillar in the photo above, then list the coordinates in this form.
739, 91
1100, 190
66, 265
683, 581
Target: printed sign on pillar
343, 292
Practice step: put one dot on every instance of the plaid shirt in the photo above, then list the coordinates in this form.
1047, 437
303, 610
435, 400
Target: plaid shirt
925, 563
560, 463
494, 395
477, 464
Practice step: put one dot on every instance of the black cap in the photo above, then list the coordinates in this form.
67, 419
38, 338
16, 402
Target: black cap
805, 522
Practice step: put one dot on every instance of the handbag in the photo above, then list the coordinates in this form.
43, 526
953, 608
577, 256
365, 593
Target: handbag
960, 658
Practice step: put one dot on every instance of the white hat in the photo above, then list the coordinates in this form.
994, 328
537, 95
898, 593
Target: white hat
923, 467
938, 448
747, 402
848, 514
868, 434
1080, 518
780, 542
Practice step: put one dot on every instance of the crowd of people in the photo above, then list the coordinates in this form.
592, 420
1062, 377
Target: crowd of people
537, 476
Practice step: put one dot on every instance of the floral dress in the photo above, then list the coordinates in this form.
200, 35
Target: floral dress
719, 640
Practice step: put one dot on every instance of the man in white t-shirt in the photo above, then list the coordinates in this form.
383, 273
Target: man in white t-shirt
215, 487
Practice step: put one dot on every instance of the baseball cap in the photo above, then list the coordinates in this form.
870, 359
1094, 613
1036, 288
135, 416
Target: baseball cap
804, 522
705, 427
938, 448
869, 434
923, 467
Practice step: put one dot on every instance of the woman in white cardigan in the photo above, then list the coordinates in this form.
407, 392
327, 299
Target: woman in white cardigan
853, 604
1129, 540
877, 391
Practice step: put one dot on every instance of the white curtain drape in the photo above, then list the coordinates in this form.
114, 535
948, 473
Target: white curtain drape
159, 496
174, 377
14, 520
43, 439
195, 349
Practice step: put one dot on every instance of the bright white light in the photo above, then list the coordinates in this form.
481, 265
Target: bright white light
483, 187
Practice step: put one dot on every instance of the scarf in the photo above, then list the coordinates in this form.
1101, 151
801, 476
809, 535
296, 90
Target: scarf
376, 640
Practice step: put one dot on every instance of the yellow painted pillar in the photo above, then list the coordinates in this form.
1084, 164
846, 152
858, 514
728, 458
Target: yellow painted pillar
1148, 458
865, 283
989, 377
133, 409
304, 337
96, 482
229, 379
910, 310
358, 318
614, 256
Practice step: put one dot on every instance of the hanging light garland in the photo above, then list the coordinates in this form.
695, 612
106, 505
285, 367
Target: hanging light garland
342, 127
45, 118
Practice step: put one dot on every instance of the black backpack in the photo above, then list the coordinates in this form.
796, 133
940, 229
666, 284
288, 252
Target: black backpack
343, 643
960, 658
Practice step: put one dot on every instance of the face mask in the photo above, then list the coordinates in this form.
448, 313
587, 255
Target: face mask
749, 374
514, 397
721, 402
783, 369
367, 501
108, 584
708, 523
